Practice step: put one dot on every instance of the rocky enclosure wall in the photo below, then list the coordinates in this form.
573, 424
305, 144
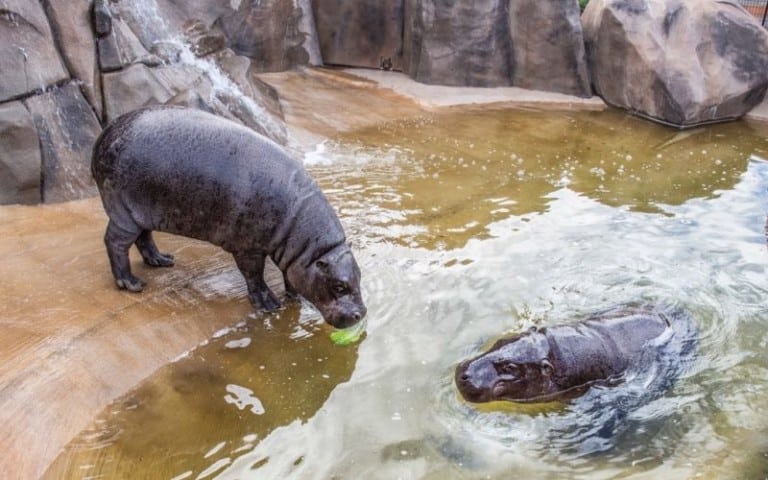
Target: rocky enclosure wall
68, 67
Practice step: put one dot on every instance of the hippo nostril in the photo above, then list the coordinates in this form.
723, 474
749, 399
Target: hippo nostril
357, 316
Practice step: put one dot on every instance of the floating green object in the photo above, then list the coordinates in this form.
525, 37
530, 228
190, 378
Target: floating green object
348, 336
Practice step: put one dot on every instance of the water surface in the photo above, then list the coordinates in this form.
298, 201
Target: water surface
470, 224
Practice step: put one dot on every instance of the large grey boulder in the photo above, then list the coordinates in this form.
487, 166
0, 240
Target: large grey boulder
485, 43
28, 57
360, 33
19, 155
679, 62
67, 129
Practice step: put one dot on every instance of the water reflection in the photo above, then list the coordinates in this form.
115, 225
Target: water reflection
198, 415
469, 168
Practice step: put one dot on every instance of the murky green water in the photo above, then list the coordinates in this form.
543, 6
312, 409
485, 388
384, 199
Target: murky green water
468, 225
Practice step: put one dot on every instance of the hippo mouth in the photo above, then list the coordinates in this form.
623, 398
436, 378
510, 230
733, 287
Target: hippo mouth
345, 321
500, 390
339, 316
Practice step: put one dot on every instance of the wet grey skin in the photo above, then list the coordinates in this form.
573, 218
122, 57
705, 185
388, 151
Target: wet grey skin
562, 362
191, 173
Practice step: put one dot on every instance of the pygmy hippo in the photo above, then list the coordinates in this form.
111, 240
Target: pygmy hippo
192, 173
562, 362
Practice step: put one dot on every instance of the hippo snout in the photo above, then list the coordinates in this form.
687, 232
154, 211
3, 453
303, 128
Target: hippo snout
347, 318
470, 390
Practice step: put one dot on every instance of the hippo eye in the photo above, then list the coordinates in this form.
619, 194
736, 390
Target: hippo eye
547, 368
341, 289
507, 368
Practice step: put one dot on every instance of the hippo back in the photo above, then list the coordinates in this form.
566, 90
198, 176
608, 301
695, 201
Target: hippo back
605, 345
195, 174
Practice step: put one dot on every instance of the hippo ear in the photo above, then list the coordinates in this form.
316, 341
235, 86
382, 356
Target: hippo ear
547, 368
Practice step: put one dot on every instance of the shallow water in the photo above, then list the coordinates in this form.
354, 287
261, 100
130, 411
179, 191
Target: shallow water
468, 225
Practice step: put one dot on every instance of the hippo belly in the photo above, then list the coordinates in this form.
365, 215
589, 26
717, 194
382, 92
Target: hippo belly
192, 173
562, 362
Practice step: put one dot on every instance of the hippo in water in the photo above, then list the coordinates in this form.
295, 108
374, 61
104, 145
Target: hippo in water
562, 362
192, 173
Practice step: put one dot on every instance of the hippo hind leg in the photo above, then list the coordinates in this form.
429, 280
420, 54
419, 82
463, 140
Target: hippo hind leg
251, 265
118, 241
149, 252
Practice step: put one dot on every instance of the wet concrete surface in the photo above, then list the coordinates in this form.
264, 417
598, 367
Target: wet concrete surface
70, 341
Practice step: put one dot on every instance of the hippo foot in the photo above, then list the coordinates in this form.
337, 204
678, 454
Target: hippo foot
160, 260
132, 284
265, 300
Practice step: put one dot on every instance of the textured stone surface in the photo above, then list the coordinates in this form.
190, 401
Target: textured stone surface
360, 33
67, 129
269, 33
548, 47
245, 98
117, 44
684, 62
457, 43
28, 57
71, 24
139, 86
275, 34
496, 43
19, 155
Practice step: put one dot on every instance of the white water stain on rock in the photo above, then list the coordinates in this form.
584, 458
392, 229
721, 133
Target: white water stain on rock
243, 398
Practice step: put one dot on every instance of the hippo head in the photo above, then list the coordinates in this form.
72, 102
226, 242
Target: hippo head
517, 369
332, 283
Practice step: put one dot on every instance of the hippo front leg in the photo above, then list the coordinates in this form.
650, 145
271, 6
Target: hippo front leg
251, 265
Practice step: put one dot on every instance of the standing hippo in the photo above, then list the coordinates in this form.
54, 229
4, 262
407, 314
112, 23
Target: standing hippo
192, 173
562, 362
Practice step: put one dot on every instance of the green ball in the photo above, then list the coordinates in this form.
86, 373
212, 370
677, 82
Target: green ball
348, 336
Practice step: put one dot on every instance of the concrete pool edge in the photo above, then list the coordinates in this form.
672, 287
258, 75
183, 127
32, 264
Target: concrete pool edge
436, 96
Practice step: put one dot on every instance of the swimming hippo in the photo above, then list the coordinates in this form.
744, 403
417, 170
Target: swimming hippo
562, 362
192, 173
